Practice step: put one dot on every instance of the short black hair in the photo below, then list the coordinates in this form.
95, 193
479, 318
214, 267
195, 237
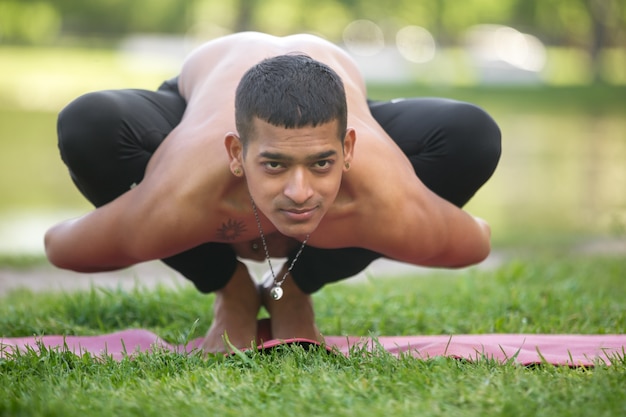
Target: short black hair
290, 91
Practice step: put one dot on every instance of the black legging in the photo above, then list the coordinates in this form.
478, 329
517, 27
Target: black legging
106, 139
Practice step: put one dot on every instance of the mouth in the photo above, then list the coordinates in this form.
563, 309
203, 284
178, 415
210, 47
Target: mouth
299, 214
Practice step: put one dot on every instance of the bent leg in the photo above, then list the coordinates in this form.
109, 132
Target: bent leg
454, 148
106, 139
317, 267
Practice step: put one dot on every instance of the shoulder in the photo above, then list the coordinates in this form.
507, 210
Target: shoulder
166, 214
377, 196
230, 56
284, 44
258, 46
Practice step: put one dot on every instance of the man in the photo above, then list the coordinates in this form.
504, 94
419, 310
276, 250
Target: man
268, 147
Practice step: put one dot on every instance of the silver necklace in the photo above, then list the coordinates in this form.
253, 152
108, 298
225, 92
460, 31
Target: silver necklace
276, 292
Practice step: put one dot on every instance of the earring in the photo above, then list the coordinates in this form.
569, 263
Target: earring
237, 172
347, 165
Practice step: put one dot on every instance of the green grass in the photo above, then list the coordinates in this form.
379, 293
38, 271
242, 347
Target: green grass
589, 100
573, 295
21, 262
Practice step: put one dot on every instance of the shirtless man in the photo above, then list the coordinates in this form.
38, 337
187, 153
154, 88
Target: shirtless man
175, 176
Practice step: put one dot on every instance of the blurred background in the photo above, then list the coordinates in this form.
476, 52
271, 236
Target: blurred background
551, 72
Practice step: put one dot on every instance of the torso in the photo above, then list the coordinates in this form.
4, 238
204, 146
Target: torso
194, 157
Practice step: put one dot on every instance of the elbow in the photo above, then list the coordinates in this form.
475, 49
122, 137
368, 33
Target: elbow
64, 259
482, 253
484, 245
471, 251
56, 255
50, 249
476, 253
67, 249
456, 258
53, 252
473, 258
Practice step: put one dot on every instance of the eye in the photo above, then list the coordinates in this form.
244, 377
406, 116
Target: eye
272, 165
323, 165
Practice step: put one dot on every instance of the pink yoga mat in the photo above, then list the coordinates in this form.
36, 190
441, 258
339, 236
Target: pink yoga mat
525, 349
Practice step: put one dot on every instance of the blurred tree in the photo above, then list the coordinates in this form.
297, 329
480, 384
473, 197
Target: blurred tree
28, 22
590, 24
606, 29
106, 18
331, 15
246, 9
327, 18
456, 20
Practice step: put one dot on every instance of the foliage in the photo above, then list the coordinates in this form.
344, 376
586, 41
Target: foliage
573, 22
29, 22
590, 25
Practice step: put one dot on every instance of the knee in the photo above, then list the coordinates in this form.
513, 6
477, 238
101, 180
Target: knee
475, 122
476, 131
86, 125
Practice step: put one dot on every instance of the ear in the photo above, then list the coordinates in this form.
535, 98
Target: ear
234, 148
348, 148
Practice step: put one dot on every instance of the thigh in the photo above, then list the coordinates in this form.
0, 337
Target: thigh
453, 146
317, 267
209, 266
106, 138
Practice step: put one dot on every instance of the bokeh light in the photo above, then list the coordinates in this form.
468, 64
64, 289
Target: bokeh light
506, 44
416, 44
363, 37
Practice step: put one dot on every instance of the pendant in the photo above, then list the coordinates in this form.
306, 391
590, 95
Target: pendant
276, 292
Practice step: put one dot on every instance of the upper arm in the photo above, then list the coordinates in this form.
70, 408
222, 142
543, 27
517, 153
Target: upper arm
406, 221
97, 241
133, 228
423, 229
442, 234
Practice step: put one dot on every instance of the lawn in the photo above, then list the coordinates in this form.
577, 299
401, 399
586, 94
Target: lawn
578, 294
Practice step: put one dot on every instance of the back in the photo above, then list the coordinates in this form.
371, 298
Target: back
211, 73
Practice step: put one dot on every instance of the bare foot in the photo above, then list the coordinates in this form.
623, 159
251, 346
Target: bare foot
292, 316
235, 313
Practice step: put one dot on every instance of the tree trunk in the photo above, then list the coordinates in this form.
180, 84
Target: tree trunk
245, 12
599, 11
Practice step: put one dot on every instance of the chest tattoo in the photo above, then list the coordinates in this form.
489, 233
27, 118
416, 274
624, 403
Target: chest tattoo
231, 230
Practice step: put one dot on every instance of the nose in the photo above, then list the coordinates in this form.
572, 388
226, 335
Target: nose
298, 187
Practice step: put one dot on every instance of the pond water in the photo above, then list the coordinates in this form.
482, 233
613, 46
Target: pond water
560, 177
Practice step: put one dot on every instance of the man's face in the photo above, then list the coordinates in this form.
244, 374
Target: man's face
294, 175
